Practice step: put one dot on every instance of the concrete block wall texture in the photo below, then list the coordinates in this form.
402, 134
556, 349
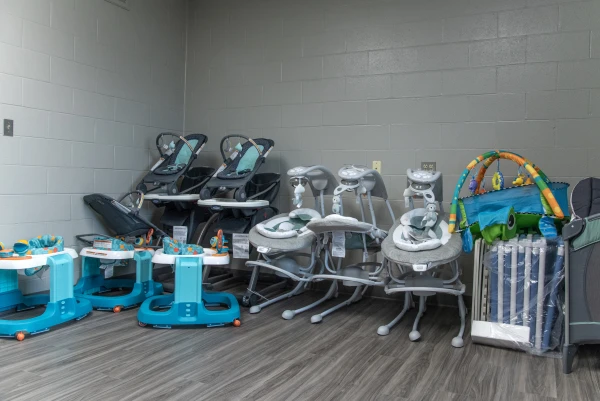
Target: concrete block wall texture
89, 85
352, 81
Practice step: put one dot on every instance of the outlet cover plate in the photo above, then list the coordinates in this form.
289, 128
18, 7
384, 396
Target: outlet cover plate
9, 127
377, 166
428, 166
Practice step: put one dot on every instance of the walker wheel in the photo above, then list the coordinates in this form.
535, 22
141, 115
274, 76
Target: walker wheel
141, 324
20, 336
237, 323
117, 309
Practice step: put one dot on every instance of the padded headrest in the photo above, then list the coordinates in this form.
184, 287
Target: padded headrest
585, 199
336, 222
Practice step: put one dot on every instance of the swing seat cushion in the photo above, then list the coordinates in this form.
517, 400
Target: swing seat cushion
289, 244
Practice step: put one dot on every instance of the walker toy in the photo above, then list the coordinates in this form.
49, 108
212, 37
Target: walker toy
97, 264
189, 304
503, 213
61, 305
218, 242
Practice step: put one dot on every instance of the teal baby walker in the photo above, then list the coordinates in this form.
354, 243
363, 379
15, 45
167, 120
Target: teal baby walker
30, 258
189, 304
97, 265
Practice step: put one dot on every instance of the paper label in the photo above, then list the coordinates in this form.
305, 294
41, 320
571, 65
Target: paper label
241, 246
338, 248
102, 244
180, 234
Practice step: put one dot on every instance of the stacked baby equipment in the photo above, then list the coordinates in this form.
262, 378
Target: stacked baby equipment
190, 304
173, 184
281, 239
582, 241
99, 260
34, 257
253, 194
420, 251
519, 255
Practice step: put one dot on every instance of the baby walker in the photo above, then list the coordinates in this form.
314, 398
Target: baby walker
34, 257
189, 304
98, 262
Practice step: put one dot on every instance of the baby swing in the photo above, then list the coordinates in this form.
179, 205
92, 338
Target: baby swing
281, 239
419, 250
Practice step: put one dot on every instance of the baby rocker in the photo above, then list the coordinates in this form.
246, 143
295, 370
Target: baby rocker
97, 265
189, 304
34, 257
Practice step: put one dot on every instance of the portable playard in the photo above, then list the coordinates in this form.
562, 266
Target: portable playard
34, 257
534, 205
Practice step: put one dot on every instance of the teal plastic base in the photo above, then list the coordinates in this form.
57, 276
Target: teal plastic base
92, 283
61, 305
188, 305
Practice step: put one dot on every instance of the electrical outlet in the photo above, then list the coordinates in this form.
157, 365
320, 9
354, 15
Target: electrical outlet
377, 165
9, 127
428, 166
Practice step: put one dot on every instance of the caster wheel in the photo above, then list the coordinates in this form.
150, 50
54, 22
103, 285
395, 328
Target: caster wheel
458, 342
240, 195
20, 336
288, 314
141, 324
237, 323
383, 330
205, 194
117, 309
255, 309
316, 319
414, 335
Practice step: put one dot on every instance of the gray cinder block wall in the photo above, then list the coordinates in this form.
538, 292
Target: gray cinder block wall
352, 81
89, 85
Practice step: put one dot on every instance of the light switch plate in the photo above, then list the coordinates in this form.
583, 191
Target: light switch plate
428, 166
9, 127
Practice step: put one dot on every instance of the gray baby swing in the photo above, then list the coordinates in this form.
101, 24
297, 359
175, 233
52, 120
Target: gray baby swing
281, 239
418, 251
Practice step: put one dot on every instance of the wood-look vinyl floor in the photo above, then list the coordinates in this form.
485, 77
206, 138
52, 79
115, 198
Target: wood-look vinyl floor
107, 356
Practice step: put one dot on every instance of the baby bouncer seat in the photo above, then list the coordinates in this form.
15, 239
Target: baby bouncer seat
239, 167
175, 162
30, 258
285, 238
420, 250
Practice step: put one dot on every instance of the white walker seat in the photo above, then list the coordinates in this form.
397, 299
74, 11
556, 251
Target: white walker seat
419, 250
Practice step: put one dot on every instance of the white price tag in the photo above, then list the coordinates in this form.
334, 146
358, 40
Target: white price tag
102, 244
180, 233
339, 244
241, 246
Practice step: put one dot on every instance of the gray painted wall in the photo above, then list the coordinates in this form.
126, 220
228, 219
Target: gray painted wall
89, 86
352, 81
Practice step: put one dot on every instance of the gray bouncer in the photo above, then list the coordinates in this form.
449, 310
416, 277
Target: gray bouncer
419, 252
281, 239
337, 233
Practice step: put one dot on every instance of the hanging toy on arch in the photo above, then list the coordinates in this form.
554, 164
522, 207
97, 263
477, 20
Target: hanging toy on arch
520, 180
498, 179
473, 185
